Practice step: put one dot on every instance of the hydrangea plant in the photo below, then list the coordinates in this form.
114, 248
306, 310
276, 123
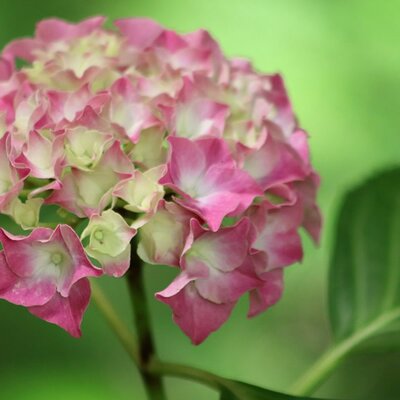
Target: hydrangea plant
147, 147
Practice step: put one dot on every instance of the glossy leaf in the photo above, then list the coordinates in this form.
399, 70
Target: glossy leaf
384, 343
364, 281
243, 391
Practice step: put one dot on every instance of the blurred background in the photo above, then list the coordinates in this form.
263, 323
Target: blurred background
341, 63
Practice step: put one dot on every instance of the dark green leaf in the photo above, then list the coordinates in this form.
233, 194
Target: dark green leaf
364, 281
243, 391
387, 342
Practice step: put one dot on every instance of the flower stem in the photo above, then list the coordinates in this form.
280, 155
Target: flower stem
209, 379
161, 368
153, 383
117, 325
321, 369
154, 369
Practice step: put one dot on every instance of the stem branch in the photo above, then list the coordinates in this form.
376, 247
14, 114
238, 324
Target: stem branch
154, 369
160, 368
320, 370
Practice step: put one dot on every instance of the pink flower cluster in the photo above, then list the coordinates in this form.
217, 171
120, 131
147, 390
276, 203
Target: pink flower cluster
143, 131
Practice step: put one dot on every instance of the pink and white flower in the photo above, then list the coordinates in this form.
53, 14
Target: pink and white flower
11, 176
89, 192
47, 272
277, 233
163, 237
217, 269
205, 175
109, 242
140, 130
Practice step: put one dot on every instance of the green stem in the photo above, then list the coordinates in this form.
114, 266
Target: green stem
153, 383
122, 332
209, 379
160, 368
321, 369
154, 367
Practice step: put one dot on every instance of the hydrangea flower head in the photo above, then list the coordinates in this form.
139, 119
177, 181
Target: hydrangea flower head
141, 132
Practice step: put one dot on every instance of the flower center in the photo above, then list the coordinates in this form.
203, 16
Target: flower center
57, 258
99, 235
29, 218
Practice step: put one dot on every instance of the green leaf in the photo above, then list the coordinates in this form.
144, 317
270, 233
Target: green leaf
364, 276
243, 391
384, 343
364, 281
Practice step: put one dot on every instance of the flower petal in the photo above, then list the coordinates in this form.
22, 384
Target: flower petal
66, 312
267, 294
196, 316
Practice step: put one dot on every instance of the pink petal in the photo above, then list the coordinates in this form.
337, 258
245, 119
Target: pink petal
117, 266
220, 263
140, 32
267, 294
53, 29
6, 69
18, 249
196, 316
68, 312
312, 220
29, 292
21, 48
170, 40
186, 160
299, 141
277, 233
22, 287
128, 111
211, 185
7, 277
37, 282
196, 116
226, 287
275, 163
163, 238
224, 250
82, 266
277, 95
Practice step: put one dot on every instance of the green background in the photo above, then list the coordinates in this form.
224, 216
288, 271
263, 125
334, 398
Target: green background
341, 62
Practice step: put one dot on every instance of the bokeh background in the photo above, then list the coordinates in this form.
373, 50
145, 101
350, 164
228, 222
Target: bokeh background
341, 62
